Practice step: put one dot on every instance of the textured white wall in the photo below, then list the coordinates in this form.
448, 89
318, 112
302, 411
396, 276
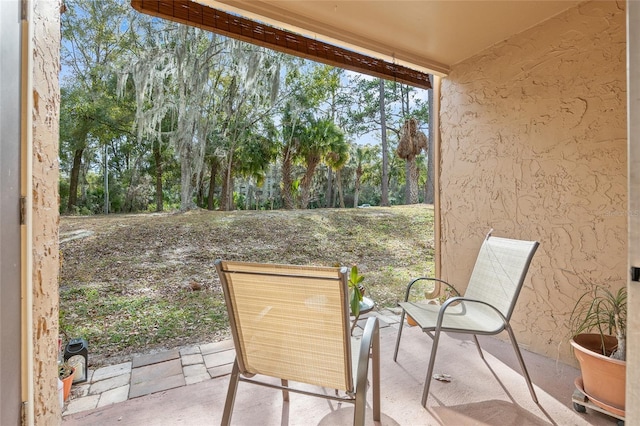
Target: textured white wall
534, 146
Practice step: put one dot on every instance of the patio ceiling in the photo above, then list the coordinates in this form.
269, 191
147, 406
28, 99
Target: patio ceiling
430, 35
394, 39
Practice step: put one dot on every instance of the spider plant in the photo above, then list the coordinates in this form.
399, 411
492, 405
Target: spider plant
604, 312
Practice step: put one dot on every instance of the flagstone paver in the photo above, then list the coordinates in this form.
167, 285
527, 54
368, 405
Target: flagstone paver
189, 350
111, 371
108, 384
219, 358
192, 359
195, 373
220, 370
161, 371
82, 404
143, 360
155, 371
156, 385
210, 348
114, 396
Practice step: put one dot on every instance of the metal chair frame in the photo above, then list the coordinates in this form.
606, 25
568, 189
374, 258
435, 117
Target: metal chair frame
369, 346
433, 329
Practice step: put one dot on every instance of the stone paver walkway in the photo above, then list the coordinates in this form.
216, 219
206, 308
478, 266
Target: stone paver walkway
161, 371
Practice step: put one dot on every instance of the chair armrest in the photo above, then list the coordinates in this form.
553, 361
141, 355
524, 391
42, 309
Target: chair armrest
370, 340
408, 292
452, 300
370, 344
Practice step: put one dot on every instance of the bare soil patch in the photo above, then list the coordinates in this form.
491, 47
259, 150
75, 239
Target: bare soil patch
139, 283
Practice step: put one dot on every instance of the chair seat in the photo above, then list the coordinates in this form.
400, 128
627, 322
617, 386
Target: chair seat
462, 317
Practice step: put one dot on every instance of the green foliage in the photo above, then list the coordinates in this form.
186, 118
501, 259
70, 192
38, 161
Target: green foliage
245, 108
355, 288
604, 312
122, 321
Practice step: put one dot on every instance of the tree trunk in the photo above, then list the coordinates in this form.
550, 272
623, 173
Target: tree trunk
287, 180
212, 184
412, 180
305, 184
200, 199
328, 201
157, 155
231, 205
83, 182
224, 193
408, 182
73, 180
356, 193
340, 193
186, 174
384, 200
226, 197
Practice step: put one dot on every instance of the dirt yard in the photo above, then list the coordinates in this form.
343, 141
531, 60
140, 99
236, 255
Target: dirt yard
138, 283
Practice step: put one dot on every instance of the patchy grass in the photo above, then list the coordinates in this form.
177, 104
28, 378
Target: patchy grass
126, 285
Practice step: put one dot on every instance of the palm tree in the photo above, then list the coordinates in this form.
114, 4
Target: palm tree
363, 156
336, 159
317, 139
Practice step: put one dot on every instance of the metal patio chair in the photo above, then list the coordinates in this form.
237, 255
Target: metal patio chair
292, 323
487, 305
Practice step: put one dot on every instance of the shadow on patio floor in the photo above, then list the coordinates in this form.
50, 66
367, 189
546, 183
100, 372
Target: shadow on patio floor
491, 393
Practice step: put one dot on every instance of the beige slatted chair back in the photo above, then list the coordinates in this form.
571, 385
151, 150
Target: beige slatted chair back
499, 272
290, 322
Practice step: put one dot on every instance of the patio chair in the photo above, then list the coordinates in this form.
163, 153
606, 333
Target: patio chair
292, 323
486, 307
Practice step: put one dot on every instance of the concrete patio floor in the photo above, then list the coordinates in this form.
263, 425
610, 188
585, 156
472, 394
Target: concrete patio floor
480, 393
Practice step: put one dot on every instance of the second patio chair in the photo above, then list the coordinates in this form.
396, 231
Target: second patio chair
487, 305
292, 323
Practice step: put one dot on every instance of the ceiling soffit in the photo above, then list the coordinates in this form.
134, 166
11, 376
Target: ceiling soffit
427, 35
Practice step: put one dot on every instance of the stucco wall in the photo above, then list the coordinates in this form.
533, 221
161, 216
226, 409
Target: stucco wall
46, 108
534, 146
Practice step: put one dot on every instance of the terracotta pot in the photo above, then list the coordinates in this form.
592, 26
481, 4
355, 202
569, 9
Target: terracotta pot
66, 385
411, 321
603, 377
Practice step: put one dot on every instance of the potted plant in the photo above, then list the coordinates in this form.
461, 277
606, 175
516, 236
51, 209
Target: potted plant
356, 294
65, 373
598, 325
356, 290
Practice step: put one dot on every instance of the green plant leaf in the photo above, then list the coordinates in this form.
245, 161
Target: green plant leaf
599, 310
356, 297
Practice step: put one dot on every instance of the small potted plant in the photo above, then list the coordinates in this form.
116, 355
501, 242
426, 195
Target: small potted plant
356, 290
65, 373
598, 326
356, 294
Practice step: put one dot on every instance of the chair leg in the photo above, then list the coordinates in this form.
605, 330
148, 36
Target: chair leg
475, 338
285, 393
432, 362
375, 365
512, 337
231, 395
400, 327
